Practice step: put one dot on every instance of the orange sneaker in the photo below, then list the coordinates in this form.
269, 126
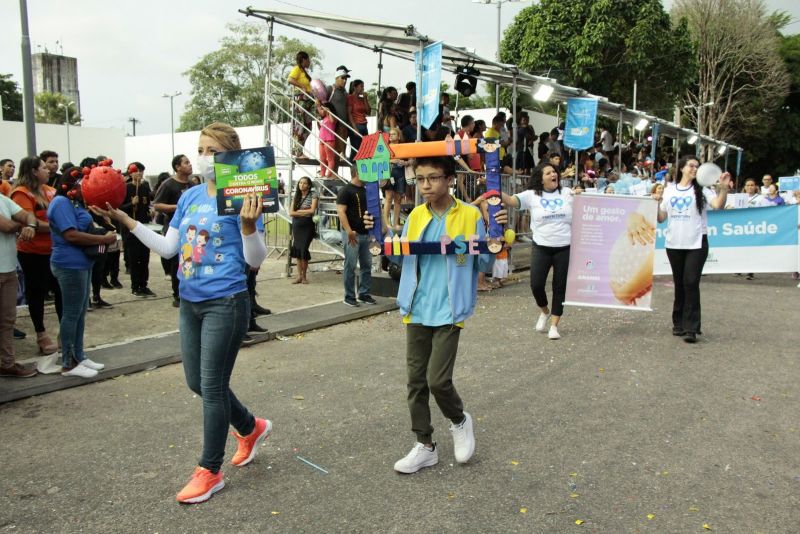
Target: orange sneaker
201, 486
248, 444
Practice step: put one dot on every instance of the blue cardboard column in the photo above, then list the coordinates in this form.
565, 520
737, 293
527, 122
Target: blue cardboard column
493, 183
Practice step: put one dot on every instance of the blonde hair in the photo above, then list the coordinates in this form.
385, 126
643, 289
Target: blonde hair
223, 134
399, 134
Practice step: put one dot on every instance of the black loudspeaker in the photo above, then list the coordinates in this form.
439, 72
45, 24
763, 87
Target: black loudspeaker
466, 81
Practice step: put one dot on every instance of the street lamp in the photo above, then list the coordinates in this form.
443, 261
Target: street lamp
172, 117
66, 113
497, 56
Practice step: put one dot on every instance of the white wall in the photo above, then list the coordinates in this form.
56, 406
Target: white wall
83, 142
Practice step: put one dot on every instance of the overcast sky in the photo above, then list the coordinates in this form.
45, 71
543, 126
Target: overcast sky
132, 53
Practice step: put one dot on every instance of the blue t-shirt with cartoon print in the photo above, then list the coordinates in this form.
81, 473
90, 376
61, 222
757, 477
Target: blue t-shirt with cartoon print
210, 257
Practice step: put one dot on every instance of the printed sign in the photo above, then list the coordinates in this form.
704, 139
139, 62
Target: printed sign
239, 172
581, 119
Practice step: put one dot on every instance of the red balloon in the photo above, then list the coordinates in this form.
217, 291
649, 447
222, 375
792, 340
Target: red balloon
103, 184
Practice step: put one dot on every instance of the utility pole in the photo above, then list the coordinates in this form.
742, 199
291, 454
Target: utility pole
172, 117
27, 81
133, 121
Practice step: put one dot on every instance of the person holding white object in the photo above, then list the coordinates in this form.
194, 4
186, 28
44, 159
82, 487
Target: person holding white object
684, 204
215, 252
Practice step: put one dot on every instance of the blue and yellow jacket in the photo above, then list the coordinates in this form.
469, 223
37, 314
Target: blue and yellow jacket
462, 269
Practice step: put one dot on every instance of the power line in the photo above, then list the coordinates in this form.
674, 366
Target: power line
134, 120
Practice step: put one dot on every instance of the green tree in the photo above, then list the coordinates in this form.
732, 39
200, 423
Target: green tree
228, 83
50, 109
602, 46
777, 152
11, 98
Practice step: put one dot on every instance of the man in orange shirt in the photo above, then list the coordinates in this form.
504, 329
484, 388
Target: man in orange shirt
7, 169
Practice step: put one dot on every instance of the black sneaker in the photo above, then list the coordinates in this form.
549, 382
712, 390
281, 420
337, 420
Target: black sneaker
90, 307
176, 302
19, 334
138, 293
247, 340
147, 292
677, 331
351, 302
260, 310
367, 299
255, 328
98, 303
105, 284
690, 337
115, 284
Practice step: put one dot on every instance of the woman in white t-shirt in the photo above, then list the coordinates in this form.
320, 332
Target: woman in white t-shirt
550, 207
684, 204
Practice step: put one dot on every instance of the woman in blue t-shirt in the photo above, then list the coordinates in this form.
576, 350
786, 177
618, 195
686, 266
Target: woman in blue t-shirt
70, 226
214, 254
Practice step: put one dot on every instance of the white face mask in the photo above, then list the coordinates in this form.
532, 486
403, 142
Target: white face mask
205, 167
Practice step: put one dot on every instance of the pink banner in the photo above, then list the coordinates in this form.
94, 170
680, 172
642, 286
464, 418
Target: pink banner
611, 253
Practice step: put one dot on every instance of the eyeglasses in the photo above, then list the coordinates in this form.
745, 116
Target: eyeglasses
430, 179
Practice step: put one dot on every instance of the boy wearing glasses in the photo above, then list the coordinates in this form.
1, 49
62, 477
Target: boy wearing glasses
437, 294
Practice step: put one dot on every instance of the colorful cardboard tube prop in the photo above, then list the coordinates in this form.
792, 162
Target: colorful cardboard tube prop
448, 147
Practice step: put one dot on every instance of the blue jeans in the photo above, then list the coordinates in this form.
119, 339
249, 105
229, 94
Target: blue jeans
358, 253
74, 285
211, 334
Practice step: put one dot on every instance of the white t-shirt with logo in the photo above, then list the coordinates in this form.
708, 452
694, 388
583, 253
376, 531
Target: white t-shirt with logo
757, 201
685, 226
551, 216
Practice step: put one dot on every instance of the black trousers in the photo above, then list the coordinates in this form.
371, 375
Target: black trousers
542, 259
139, 258
171, 268
687, 266
112, 266
38, 281
98, 274
251, 290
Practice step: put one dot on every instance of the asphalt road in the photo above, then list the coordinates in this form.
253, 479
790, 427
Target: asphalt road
618, 425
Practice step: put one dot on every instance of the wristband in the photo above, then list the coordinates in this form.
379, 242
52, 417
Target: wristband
34, 226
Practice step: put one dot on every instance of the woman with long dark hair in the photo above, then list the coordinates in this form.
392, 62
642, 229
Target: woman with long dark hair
32, 194
304, 207
684, 205
550, 207
215, 253
387, 115
357, 109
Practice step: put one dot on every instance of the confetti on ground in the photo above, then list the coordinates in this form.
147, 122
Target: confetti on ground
275, 513
574, 495
523, 510
602, 370
694, 509
579, 521
298, 397
514, 462
573, 474
312, 464
706, 526
755, 398
651, 516
451, 496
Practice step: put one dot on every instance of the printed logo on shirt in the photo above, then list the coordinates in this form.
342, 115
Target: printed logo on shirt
681, 204
552, 205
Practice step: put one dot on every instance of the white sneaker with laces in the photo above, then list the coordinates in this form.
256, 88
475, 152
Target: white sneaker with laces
553, 333
93, 365
419, 457
463, 439
80, 370
541, 324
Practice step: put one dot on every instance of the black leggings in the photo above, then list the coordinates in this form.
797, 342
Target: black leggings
38, 281
542, 259
687, 266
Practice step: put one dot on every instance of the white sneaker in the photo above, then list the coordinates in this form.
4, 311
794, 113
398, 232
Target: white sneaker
93, 365
541, 324
553, 333
81, 370
463, 439
419, 457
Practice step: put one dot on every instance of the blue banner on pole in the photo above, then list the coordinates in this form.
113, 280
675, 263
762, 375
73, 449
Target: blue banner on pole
656, 127
581, 119
428, 87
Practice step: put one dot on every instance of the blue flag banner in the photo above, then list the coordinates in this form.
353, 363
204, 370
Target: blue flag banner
581, 119
428, 87
747, 240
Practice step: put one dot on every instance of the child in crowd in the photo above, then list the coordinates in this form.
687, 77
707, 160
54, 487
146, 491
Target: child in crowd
327, 138
437, 294
394, 189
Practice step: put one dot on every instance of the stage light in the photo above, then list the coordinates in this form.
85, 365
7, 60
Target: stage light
543, 93
466, 81
721, 150
642, 124
692, 139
